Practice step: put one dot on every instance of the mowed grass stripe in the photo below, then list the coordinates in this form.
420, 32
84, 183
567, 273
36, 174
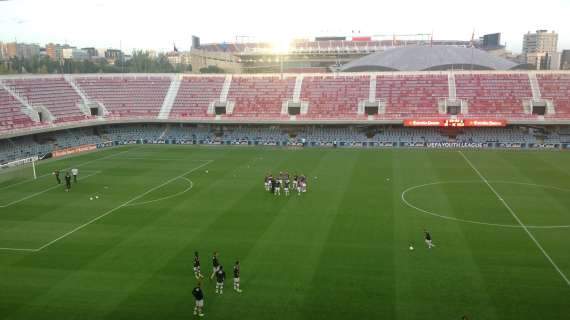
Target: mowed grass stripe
424, 276
213, 231
340, 251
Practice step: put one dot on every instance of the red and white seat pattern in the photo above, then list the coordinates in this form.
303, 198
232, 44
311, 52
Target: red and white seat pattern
260, 97
494, 94
138, 96
55, 94
195, 95
411, 95
556, 87
331, 97
11, 115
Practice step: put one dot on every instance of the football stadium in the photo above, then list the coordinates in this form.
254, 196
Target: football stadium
422, 181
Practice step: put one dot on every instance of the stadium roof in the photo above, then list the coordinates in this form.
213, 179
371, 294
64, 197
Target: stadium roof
424, 58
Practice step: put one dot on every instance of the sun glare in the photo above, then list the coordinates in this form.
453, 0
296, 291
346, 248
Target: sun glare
281, 46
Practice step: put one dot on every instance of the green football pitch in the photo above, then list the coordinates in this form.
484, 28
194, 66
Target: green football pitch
500, 221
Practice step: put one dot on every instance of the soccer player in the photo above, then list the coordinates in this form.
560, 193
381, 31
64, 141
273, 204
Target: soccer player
236, 277
197, 272
266, 183
220, 277
67, 182
56, 174
75, 172
428, 240
215, 265
286, 187
295, 181
277, 191
272, 183
199, 297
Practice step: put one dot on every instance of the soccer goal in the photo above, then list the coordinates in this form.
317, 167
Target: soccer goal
21, 169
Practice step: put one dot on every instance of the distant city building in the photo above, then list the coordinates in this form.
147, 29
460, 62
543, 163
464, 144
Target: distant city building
11, 49
20, 50
555, 61
320, 54
55, 51
491, 41
174, 59
91, 52
539, 47
101, 52
565, 60
2, 51
75, 54
113, 55
27, 51
67, 53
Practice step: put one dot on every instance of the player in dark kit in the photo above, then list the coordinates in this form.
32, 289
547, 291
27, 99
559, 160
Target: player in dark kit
272, 182
215, 265
197, 272
56, 174
199, 297
220, 277
67, 182
236, 277
428, 240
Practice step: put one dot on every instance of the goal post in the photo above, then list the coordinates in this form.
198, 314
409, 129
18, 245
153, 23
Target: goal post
17, 168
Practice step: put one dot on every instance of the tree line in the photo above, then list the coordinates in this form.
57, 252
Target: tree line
140, 62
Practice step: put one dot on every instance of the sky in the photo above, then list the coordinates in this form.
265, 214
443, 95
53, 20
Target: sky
156, 25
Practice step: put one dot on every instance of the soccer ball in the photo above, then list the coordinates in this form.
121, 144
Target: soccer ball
91, 198
96, 197
411, 248
206, 171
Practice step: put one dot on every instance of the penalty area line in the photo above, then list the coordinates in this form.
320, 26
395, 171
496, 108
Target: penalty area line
515, 216
121, 206
44, 191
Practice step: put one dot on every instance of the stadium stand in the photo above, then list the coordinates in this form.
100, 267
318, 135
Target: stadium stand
139, 96
333, 97
11, 115
312, 135
557, 88
500, 95
195, 95
260, 97
53, 93
412, 95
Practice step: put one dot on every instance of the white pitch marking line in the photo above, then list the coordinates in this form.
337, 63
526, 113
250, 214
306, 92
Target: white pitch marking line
18, 249
191, 185
49, 174
42, 192
156, 159
120, 206
517, 219
409, 204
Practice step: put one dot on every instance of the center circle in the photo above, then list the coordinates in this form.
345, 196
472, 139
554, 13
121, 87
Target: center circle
504, 225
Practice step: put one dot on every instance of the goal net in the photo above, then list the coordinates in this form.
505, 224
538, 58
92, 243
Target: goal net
18, 170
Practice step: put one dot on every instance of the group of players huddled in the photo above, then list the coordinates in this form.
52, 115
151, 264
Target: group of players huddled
218, 273
283, 181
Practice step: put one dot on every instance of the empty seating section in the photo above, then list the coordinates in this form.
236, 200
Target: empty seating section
334, 97
557, 88
195, 95
140, 96
260, 97
11, 115
494, 94
55, 94
330, 97
411, 95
